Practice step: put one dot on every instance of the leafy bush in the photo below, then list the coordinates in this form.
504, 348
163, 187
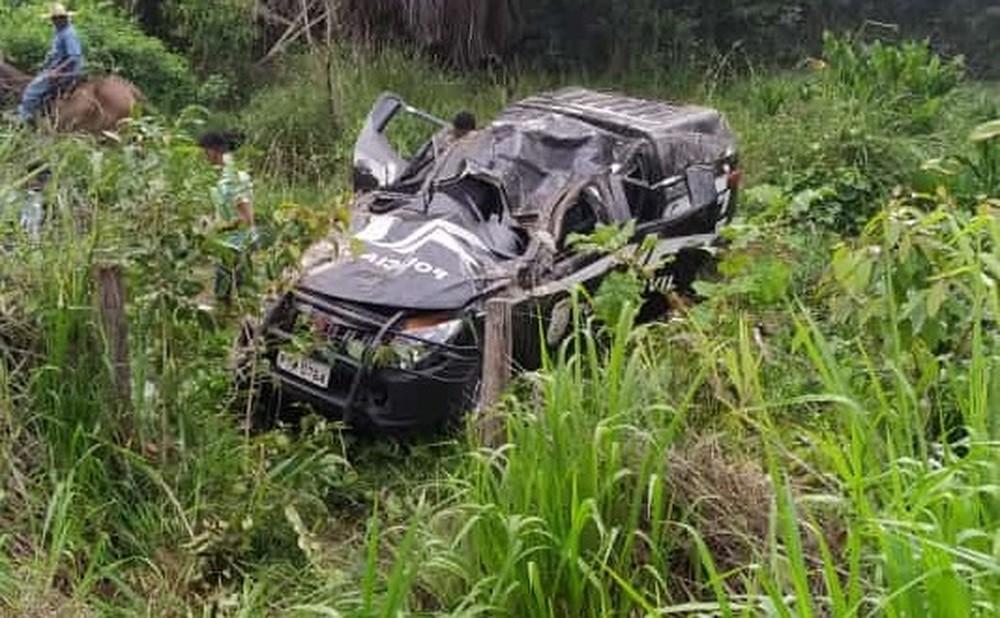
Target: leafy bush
925, 265
754, 272
845, 133
213, 32
834, 198
219, 37
976, 173
908, 76
111, 42
878, 70
292, 127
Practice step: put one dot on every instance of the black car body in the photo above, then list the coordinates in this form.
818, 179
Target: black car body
395, 317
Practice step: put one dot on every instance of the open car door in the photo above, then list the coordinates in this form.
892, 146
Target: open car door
378, 163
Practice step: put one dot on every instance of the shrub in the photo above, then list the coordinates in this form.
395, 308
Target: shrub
971, 175
923, 265
219, 37
909, 76
844, 134
213, 31
291, 126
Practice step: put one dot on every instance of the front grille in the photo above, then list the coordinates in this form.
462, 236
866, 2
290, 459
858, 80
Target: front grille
334, 332
353, 341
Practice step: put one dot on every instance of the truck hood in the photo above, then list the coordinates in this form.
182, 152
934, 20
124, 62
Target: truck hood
429, 259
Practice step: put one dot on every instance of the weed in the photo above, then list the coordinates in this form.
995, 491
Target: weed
816, 437
975, 174
908, 76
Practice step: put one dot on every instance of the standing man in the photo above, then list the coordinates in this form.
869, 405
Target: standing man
63, 65
234, 231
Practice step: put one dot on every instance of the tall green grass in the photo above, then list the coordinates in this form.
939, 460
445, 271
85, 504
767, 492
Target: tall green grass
571, 518
871, 513
818, 437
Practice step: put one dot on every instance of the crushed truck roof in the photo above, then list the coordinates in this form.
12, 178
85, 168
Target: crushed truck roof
542, 145
681, 134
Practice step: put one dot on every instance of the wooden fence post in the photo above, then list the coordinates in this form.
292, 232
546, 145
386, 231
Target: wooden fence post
498, 347
114, 325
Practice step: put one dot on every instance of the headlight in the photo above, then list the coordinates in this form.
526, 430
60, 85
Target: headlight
419, 336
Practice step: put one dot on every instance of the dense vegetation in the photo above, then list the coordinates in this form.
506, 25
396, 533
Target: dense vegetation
637, 35
817, 435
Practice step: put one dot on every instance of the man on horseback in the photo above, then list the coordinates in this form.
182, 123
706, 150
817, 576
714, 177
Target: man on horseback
62, 69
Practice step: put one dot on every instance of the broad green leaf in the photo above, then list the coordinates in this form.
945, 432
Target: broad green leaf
944, 167
991, 263
915, 309
772, 281
735, 265
618, 290
843, 263
986, 131
852, 269
772, 199
936, 297
706, 289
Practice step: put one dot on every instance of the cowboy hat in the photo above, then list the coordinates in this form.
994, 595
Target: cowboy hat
58, 10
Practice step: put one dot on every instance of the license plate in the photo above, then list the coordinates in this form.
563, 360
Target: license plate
304, 368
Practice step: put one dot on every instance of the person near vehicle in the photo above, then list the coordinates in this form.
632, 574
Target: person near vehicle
234, 233
63, 65
462, 124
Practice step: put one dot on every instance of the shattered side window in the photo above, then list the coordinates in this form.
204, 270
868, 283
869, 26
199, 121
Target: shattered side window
409, 133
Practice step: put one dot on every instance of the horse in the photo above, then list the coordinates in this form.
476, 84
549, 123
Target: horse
95, 106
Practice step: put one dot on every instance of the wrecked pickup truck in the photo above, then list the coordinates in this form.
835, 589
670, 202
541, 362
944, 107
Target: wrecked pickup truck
385, 332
